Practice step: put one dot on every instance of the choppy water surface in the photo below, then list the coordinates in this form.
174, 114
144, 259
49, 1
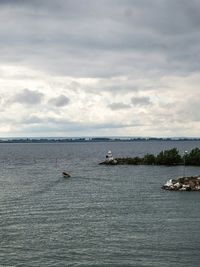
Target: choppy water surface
102, 215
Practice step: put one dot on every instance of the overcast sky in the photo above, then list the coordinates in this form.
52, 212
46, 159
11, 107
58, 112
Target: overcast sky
99, 68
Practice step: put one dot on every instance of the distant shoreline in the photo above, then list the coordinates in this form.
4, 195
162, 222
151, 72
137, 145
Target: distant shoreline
92, 139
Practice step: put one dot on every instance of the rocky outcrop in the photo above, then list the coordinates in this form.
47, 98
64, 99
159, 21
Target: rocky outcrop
109, 162
191, 183
122, 161
170, 157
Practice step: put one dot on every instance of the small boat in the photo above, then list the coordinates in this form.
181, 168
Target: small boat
66, 175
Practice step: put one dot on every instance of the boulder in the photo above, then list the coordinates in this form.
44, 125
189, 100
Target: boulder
183, 184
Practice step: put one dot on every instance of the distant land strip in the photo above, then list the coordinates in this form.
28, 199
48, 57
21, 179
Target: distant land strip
93, 139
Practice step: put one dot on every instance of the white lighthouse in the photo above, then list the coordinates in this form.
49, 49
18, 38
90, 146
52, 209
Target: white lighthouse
109, 156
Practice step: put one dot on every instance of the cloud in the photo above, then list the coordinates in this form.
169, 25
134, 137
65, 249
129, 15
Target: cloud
138, 58
28, 97
32, 119
141, 101
188, 110
61, 126
154, 36
59, 101
118, 106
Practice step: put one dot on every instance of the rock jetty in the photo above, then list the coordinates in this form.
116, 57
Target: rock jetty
170, 157
191, 183
110, 160
121, 161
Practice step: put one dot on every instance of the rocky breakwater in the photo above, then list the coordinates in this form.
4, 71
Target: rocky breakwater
191, 183
110, 160
122, 161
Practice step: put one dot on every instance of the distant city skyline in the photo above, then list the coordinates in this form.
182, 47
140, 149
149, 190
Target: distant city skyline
99, 68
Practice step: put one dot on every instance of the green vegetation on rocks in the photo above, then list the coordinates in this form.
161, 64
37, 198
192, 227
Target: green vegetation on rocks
193, 158
169, 157
166, 157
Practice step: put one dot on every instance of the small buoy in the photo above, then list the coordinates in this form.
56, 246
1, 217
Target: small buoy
66, 174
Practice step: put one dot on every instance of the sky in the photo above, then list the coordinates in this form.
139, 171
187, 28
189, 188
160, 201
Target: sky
99, 68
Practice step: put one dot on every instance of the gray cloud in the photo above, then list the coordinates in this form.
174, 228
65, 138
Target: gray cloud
59, 101
28, 97
118, 106
32, 119
141, 101
122, 36
124, 47
188, 110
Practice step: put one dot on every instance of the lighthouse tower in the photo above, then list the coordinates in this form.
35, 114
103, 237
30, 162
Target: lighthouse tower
109, 156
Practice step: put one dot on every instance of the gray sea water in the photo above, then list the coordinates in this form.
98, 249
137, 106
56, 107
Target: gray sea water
102, 215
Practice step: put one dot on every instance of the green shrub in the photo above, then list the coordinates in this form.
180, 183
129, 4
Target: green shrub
169, 157
193, 158
134, 161
149, 159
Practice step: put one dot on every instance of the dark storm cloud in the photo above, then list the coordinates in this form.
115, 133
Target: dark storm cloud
92, 38
28, 97
59, 101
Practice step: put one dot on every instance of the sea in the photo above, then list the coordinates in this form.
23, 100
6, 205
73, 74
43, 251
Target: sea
101, 215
